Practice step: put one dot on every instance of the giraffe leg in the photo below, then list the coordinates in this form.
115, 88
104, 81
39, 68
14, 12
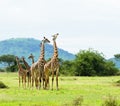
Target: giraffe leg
22, 82
36, 83
40, 79
30, 81
33, 79
25, 80
57, 72
48, 82
19, 80
43, 79
52, 79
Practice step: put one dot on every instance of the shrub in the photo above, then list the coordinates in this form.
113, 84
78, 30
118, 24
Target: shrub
78, 101
118, 83
2, 70
2, 85
110, 101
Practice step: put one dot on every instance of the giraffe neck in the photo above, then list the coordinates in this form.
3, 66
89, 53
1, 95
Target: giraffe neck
32, 60
55, 49
42, 51
19, 66
26, 64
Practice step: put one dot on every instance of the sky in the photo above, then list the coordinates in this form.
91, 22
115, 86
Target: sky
81, 24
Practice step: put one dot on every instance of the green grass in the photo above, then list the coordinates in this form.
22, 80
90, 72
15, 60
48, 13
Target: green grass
92, 91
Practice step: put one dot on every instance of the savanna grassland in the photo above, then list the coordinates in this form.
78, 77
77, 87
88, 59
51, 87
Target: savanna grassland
89, 91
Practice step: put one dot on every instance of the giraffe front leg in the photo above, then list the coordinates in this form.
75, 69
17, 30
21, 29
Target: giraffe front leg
30, 81
40, 81
22, 82
57, 73
19, 81
33, 78
52, 79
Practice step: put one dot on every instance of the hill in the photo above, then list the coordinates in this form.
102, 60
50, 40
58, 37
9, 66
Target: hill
116, 61
25, 46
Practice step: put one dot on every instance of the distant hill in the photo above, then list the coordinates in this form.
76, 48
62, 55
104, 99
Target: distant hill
25, 46
116, 61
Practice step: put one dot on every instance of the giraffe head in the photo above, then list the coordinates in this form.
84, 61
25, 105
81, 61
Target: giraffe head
45, 40
31, 56
17, 59
23, 58
55, 36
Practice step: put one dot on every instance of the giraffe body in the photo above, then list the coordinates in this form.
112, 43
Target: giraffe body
28, 71
37, 68
21, 74
53, 65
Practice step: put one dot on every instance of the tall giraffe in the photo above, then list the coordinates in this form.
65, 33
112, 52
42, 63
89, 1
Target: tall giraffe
52, 65
37, 68
21, 73
28, 71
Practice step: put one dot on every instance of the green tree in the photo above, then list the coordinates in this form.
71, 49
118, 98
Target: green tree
117, 56
10, 60
67, 68
91, 62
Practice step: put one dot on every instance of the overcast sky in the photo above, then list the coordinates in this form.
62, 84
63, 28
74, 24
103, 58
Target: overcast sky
82, 24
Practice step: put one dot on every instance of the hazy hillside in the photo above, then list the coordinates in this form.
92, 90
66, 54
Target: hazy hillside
25, 46
116, 61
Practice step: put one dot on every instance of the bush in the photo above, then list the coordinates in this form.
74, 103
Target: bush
2, 85
117, 83
110, 101
2, 70
78, 101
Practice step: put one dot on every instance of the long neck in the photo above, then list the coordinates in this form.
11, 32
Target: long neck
32, 60
26, 64
55, 48
19, 66
42, 51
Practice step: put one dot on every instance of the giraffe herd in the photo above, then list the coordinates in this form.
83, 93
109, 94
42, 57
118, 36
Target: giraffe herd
40, 70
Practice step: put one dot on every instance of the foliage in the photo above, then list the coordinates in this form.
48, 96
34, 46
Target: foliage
67, 68
91, 62
9, 59
109, 69
2, 85
110, 101
117, 56
2, 70
78, 101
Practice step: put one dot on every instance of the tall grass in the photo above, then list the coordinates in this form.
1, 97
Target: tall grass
110, 101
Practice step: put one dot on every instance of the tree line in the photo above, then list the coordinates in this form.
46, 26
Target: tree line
86, 63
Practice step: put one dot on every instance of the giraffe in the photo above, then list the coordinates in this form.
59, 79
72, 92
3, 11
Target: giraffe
31, 57
21, 73
37, 68
28, 71
52, 65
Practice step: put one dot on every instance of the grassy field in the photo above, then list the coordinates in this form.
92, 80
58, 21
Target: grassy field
91, 91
